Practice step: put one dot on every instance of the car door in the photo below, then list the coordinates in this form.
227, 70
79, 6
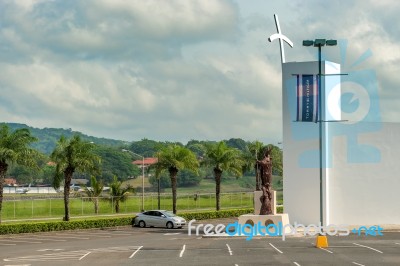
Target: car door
149, 218
159, 219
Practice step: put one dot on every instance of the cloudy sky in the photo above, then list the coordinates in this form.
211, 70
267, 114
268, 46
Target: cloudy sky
178, 70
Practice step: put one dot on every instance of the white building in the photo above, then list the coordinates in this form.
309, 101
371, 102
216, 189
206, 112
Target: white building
360, 173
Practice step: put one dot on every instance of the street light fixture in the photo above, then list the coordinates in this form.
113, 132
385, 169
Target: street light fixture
331, 42
308, 43
319, 43
124, 150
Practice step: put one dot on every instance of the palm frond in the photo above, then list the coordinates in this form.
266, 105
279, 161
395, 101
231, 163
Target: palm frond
178, 157
15, 147
224, 158
96, 188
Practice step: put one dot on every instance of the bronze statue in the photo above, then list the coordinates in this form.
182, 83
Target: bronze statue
265, 168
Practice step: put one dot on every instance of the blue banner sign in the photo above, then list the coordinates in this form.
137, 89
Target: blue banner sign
307, 98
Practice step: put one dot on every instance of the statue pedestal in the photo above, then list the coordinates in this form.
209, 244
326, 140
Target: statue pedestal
257, 202
265, 220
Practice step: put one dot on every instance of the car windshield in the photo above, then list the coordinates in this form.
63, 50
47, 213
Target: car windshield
169, 214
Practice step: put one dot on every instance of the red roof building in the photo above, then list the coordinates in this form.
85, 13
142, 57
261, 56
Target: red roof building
10, 182
146, 162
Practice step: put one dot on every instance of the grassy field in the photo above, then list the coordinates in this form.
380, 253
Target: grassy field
235, 193
29, 208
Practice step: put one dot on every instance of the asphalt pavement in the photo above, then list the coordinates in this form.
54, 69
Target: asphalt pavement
159, 246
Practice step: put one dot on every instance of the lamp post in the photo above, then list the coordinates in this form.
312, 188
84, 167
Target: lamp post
319, 43
124, 150
158, 186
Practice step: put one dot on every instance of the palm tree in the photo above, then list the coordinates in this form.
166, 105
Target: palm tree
158, 177
174, 158
254, 152
94, 192
14, 148
70, 156
119, 194
276, 154
222, 158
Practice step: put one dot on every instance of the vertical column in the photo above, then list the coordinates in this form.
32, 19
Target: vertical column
301, 182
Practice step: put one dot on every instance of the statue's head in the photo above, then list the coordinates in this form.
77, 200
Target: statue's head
268, 151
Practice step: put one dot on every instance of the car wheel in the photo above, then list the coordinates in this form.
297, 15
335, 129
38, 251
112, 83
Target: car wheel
142, 224
170, 225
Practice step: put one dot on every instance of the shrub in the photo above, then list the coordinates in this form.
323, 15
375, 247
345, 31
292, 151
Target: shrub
112, 222
59, 226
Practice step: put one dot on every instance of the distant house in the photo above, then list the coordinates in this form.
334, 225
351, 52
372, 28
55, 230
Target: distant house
146, 162
10, 182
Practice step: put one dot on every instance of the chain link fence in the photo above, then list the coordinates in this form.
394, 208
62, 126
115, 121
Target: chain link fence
42, 207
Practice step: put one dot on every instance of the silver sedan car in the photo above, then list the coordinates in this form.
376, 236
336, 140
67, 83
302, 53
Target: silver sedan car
159, 218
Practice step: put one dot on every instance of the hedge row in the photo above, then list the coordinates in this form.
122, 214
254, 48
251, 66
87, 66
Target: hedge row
111, 222
62, 225
215, 214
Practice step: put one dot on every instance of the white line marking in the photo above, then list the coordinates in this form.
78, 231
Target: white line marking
49, 257
84, 256
171, 234
74, 255
96, 233
397, 243
183, 250
368, 247
18, 241
236, 264
93, 235
296, 263
120, 232
8, 244
358, 264
50, 249
78, 233
74, 237
22, 238
133, 254
275, 248
342, 246
326, 250
229, 249
115, 249
50, 239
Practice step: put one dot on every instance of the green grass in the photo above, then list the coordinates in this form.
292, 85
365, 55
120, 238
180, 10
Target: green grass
235, 193
54, 207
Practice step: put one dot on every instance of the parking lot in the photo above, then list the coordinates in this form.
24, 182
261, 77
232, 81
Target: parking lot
159, 246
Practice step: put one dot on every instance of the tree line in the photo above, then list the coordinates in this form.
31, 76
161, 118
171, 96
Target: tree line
74, 156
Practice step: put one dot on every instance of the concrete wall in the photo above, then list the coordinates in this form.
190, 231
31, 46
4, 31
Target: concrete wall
369, 192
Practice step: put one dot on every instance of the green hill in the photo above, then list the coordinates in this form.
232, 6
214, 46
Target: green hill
48, 137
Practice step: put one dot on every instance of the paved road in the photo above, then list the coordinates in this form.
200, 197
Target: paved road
158, 246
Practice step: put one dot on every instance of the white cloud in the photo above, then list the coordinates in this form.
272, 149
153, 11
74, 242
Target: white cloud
175, 70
